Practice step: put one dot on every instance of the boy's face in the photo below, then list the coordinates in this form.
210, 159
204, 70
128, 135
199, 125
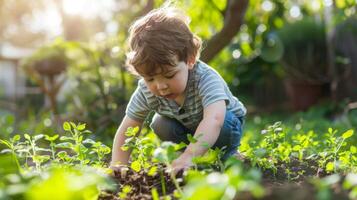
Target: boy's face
170, 84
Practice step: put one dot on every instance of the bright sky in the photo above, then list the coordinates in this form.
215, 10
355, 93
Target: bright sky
50, 20
89, 8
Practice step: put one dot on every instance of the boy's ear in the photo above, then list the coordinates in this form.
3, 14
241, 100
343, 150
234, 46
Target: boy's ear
191, 62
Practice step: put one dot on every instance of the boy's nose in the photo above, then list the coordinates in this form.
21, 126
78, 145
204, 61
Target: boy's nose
161, 86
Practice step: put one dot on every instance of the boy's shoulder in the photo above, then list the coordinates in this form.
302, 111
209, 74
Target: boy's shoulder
142, 87
203, 70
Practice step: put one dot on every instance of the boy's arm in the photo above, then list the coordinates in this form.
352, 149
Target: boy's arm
207, 132
118, 155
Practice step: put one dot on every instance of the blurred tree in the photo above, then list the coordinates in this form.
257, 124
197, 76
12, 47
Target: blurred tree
14, 22
233, 13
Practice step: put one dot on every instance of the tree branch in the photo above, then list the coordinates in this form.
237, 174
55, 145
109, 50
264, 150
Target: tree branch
233, 19
148, 7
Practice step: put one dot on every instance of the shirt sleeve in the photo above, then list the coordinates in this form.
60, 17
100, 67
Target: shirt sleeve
211, 88
138, 107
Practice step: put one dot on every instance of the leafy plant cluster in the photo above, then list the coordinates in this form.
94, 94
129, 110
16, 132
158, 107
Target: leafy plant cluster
38, 166
331, 151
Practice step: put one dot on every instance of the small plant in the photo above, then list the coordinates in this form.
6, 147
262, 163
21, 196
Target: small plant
142, 149
62, 172
227, 185
330, 156
12, 147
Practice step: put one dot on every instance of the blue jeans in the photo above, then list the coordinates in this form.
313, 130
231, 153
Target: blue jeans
168, 129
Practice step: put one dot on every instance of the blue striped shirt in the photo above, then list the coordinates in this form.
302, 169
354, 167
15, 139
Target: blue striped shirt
204, 87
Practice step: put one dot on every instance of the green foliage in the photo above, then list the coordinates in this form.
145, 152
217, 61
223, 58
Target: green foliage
225, 185
62, 171
141, 149
278, 146
64, 184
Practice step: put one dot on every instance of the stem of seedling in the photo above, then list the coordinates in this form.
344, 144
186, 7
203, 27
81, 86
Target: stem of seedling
335, 153
163, 186
173, 178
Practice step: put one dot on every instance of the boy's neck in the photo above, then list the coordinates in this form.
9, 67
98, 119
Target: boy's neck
180, 100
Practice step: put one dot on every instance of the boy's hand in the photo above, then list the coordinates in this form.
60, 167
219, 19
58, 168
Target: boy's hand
119, 170
181, 163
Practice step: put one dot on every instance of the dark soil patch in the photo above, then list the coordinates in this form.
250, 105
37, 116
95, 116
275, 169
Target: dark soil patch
294, 171
141, 184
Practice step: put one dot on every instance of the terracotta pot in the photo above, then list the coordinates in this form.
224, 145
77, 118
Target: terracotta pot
302, 95
50, 67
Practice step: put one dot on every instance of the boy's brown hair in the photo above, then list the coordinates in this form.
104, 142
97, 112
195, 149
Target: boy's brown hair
159, 40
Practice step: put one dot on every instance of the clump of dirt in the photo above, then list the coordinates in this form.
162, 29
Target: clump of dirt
141, 184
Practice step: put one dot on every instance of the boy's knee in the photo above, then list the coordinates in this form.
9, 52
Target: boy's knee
168, 129
156, 123
162, 127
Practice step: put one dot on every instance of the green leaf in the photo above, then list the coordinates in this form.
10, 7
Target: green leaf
64, 145
130, 132
16, 138
42, 149
37, 137
51, 139
40, 158
87, 131
5, 151
127, 189
330, 166
179, 146
89, 141
330, 130
80, 139
62, 154
81, 127
8, 166
353, 149
73, 125
124, 148
191, 139
64, 138
136, 166
297, 148
154, 194
347, 134
5, 142
152, 171
66, 126
27, 136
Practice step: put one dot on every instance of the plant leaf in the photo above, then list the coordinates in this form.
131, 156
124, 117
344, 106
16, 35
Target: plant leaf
66, 126
136, 166
347, 134
81, 127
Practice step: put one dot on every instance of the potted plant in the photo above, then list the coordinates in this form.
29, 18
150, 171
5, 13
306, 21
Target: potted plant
304, 61
44, 65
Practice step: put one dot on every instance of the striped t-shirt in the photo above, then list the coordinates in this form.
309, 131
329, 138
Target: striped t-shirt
204, 87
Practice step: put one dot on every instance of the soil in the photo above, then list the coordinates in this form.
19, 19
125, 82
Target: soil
279, 186
141, 184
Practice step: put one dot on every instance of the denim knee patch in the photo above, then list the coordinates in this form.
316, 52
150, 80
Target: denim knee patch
230, 134
168, 129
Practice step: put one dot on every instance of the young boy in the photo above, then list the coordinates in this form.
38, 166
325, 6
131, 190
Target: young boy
186, 94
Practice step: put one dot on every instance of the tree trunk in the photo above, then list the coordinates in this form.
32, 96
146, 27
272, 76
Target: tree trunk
233, 19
